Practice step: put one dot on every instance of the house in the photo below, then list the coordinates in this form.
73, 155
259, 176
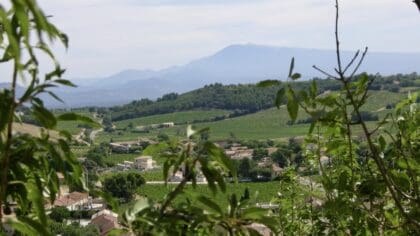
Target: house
119, 148
177, 177
221, 144
106, 221
265, 162
126, 165
271, 150
167, 124
276, 170
239, 152
129, 164
144, 163
73, 201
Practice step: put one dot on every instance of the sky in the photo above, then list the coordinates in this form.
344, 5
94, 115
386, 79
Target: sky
108, 36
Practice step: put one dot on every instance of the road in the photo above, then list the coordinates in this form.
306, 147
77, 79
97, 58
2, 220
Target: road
163, 182
93, 134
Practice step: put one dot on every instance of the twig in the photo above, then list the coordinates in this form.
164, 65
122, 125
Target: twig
324, 72
352, 61
337, 41
360, 63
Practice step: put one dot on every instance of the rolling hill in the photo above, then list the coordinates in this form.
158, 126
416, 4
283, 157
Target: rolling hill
234, 64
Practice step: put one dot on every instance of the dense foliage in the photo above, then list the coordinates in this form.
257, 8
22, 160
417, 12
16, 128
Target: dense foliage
29, 164
123, 185
371, 181
242, 98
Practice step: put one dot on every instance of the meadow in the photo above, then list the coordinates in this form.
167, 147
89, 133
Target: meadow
177, 117
266, 124
262, 192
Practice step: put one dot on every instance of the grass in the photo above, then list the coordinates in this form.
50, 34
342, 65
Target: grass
271, 123
266, 124
120, 158
80, 151
33, 130
153, 175
259, 192
73, 126
177, 117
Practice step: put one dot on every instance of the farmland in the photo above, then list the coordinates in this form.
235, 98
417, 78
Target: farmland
178, 117
260, 192
266, 124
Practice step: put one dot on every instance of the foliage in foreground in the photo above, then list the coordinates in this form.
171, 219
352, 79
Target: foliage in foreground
29, 164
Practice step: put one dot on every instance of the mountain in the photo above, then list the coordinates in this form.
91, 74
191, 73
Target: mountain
234, 64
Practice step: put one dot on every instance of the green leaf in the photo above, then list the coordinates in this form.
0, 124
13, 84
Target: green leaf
268, 83
382, 142
296, 76
313, 89
292, 105
254, 213
402, 180
210, 204
139, 206
76, 117
28, 226
292, 66
44, 116
190, 131
64, 82
279, 97
35, 195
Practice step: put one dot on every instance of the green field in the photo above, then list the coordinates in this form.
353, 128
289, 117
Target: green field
266, 124
73, 126
178, 117
260, 192
119, 158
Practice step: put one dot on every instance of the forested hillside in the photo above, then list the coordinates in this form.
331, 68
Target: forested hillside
244, 98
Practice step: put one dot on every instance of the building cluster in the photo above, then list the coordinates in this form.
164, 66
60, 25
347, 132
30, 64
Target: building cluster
126, 146
239, 152
104, 219
143, 128
142, 163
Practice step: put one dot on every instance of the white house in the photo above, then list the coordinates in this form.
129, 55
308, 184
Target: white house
116, 147
144, 163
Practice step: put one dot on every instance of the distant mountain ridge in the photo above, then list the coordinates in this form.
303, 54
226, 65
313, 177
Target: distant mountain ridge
232, 65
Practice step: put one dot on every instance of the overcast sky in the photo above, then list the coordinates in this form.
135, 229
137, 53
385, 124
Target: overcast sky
107, 36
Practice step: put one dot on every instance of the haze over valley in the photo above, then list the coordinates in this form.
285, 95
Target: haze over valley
241, 63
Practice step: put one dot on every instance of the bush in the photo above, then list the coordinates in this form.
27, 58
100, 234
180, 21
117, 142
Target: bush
123, 185
59, 214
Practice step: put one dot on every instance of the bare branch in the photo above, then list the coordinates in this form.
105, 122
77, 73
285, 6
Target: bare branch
360, 62
324, 72
352, 61
337, 40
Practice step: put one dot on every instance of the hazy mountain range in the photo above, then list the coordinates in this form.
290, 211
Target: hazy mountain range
231, 65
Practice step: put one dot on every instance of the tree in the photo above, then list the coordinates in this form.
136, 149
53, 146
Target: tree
96, 156
280, 158
386, 172
59, 214
162, 137
259, 153
244, 168
123, 185
29, 164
